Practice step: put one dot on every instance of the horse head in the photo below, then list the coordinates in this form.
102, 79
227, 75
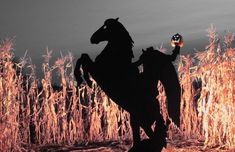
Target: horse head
105, 31
119, 46
112, 31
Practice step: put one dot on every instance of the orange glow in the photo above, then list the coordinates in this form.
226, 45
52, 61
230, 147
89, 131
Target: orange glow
177, 39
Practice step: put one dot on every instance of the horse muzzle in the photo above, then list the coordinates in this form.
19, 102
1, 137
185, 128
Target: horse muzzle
94, 41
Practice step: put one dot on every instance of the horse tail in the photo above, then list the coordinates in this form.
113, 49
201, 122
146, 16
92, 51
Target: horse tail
170, 81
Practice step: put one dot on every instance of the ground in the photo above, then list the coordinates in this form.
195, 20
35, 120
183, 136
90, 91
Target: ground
176, 146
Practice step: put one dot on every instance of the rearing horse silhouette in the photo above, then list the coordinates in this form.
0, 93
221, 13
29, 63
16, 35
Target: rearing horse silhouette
120, 79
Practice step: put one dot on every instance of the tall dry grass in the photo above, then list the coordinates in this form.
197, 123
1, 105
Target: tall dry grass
208, 99
34, 111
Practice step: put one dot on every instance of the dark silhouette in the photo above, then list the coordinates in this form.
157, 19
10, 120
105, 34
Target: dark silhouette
120, 79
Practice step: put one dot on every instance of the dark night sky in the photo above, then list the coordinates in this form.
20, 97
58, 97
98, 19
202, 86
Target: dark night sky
66, 25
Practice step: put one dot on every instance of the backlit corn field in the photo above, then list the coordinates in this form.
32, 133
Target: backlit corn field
36, 112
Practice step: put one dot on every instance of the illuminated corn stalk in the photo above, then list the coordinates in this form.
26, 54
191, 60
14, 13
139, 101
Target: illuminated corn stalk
12, 136
211, 116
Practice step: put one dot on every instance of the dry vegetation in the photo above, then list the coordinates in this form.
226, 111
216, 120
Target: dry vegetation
34, 112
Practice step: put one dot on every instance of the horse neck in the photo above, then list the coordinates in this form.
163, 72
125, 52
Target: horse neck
119, 44
120, 48
116, 54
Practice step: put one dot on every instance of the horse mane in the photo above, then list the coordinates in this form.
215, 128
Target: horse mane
121, 35
125, 35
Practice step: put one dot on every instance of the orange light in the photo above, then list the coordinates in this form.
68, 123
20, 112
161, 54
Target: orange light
177, 39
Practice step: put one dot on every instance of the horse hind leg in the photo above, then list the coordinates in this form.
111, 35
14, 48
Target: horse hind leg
135, 130
135, 135
160, 132
157, 136
149, 145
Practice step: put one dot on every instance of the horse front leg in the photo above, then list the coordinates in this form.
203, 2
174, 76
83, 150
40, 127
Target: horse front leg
87, 64
77, 72
87, 67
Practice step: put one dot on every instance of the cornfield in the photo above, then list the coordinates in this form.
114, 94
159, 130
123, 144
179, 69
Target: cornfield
208, 92
36, 112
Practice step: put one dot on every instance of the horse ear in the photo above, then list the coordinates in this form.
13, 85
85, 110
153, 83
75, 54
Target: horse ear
117, 18
143, 51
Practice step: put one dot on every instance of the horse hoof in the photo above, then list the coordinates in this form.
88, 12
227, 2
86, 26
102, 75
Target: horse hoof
135, 148
161, 140
147, 145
